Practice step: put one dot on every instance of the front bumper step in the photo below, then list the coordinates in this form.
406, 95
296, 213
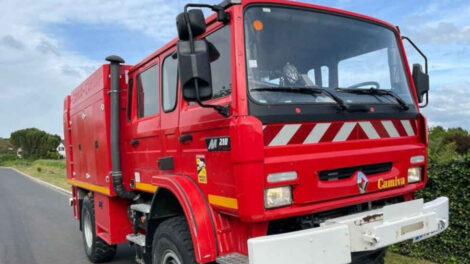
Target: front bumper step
233, 258
335, 240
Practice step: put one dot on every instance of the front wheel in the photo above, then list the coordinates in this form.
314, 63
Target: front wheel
97, 250
172, 243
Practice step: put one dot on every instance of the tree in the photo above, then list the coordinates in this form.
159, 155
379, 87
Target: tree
35, 143
5, 146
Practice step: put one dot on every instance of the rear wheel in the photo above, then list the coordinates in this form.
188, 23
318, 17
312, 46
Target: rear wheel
369, 257
172, 243
96, 248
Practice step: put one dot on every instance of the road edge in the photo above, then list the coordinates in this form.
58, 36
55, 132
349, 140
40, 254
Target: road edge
52, 186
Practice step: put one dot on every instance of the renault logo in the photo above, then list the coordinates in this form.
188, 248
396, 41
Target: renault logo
362, 181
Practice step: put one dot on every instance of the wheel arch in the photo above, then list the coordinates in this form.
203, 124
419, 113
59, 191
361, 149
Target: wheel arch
180, 195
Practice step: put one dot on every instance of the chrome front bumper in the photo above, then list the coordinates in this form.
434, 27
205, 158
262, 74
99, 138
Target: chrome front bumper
336, 238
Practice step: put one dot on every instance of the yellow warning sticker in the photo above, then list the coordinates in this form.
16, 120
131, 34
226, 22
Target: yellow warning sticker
201, 169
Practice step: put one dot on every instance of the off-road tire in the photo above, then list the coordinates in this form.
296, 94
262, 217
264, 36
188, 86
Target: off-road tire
99, 251
373, 257
173, 235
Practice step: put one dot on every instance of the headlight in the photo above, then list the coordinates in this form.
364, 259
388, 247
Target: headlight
414, 174
278, 196
282, 176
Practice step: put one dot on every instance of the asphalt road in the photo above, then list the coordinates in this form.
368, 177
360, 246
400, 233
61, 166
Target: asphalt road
37, 225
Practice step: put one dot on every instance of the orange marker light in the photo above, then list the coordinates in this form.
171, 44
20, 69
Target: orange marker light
258, 25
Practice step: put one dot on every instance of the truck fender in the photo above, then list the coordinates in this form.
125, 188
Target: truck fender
196, 209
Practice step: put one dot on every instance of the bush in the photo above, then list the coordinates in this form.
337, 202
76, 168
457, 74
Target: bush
7, 157
35, 143
451, 179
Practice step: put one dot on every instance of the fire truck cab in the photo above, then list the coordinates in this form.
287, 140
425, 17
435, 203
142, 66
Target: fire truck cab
270, 132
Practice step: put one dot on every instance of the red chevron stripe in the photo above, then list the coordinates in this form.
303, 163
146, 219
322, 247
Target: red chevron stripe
377, 124
270, 132
331, 132
357, 133
301, 134
399, 127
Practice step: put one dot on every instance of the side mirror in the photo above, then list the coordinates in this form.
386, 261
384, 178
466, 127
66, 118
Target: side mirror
194, 70
421, 82
195, 55
196, 22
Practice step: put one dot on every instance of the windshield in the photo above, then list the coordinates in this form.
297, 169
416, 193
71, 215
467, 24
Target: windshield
290, 48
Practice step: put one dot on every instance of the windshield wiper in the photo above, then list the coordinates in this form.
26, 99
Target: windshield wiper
304, 90
380, 92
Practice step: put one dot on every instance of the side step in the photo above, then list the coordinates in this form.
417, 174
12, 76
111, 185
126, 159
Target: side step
233, 258
141, 207
138, 239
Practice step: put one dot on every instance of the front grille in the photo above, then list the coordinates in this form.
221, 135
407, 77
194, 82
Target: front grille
343, 173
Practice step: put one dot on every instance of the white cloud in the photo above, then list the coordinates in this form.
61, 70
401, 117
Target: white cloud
37, 72
449, 106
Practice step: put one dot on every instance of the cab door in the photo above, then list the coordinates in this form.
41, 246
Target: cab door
211, 169
144, 145
170, 112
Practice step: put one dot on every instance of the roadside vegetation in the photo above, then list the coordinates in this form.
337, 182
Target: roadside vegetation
448, 175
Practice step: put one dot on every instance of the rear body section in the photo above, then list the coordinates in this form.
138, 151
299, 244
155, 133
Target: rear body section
86, 130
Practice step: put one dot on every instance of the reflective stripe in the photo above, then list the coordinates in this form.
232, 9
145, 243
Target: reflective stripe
317, 133
409, 130
89, 186
286, 133
391, 130
227, 202
345, 131
146, 187
369, 130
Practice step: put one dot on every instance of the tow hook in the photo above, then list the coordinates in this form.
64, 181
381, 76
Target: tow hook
372, 239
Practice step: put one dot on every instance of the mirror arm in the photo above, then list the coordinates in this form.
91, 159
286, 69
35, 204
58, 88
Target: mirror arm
419, 51
427, 101
222, 16
223, 110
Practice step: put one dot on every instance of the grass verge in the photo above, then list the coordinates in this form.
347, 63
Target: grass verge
51, 171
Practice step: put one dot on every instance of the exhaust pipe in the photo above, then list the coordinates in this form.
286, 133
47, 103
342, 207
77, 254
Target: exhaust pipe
116, 173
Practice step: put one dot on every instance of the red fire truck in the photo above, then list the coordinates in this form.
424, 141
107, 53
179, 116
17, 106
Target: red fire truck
270, 132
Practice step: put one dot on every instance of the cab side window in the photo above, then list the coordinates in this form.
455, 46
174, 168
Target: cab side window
147, 92
169, 82
221, 66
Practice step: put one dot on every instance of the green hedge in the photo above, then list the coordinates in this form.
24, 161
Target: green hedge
451, 179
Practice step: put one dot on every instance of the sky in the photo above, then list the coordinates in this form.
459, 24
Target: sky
49, 47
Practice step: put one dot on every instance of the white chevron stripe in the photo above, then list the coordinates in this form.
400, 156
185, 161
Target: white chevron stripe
284, 135
264, 126
345, 131
369, 130
409, 130
391, 130
317, 133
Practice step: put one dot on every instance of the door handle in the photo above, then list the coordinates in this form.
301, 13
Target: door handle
134, 142
184, 138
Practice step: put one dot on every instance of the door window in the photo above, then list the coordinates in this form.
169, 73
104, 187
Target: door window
220, 67
147, 88
169, 82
